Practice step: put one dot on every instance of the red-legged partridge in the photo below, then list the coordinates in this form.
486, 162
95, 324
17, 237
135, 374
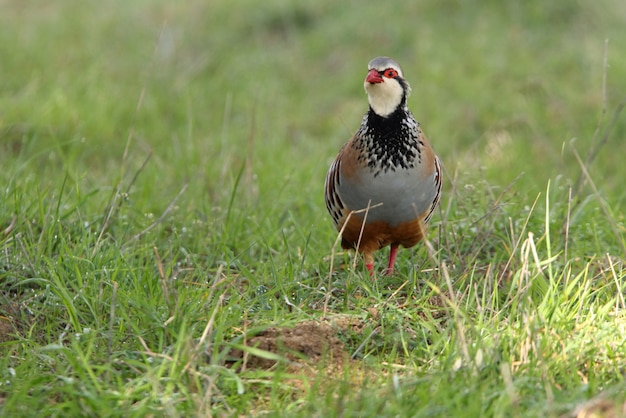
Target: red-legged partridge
386, 181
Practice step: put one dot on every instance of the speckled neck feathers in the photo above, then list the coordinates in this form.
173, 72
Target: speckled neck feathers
388, 143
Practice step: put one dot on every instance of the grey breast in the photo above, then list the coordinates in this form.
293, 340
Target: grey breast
404, 194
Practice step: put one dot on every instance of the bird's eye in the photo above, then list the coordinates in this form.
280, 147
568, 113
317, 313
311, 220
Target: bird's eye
390, 73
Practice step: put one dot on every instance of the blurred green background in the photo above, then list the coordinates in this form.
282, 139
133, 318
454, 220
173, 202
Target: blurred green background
500, 87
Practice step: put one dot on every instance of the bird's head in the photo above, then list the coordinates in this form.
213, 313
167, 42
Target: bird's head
385, 85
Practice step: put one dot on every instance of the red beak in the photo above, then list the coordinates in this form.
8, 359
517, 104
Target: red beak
373, 77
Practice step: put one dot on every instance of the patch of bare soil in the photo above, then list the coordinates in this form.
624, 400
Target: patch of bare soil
9, 325
600, 408
6, 330
308, 342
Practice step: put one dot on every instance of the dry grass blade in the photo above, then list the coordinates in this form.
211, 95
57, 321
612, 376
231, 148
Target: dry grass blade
334, 249
451, 299
201, 345
519, 239
618, 285
567, 221
9, 228
358, 243
112, 320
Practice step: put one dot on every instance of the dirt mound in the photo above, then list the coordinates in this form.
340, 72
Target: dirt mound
306, 343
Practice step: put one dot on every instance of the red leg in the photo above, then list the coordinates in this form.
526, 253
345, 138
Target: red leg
369, 263
393, 251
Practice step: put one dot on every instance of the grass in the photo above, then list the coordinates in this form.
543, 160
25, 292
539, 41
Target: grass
164, 245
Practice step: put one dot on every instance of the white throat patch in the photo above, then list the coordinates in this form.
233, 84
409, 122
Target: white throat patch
384, 97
